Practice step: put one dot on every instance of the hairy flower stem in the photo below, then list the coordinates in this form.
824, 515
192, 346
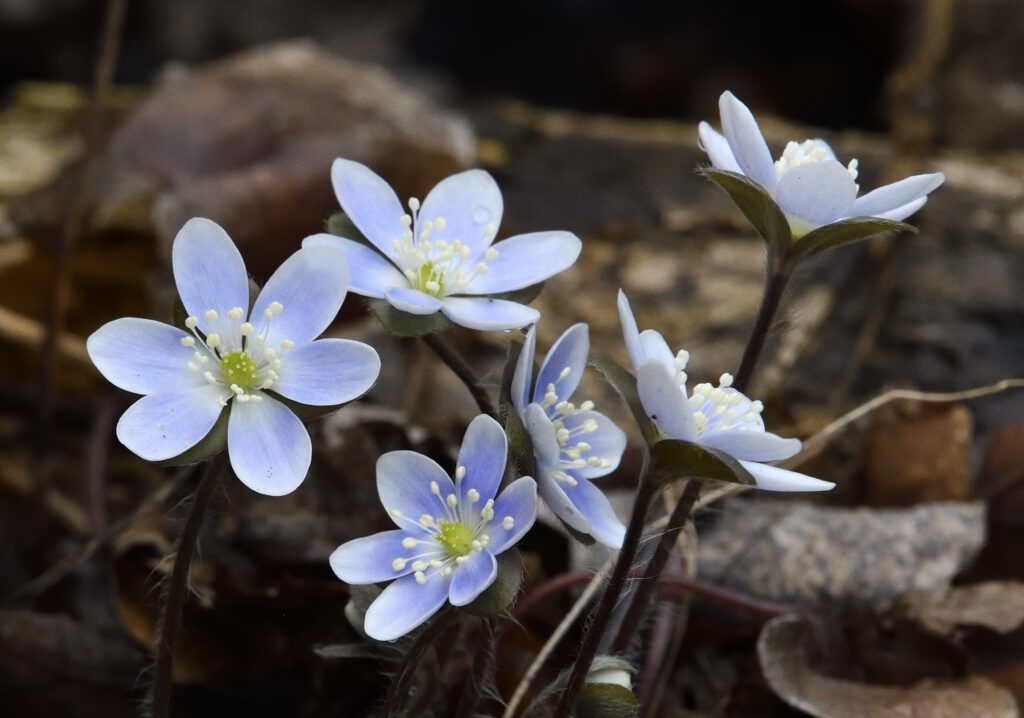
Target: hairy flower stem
399, 689
462, 370
175, 590
483, 664
774, 288
656, 566
646, 488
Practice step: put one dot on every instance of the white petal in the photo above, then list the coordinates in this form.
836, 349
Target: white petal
717, 148
608, 442
311, 284
472, 578
488, 314
412, 301
773, 478
816, 192
894, 196
369, 202
519, 502
483, 454
746, 141
542, 434
554, 496
523, 375
142, 356
591, 502
901, 213
405, 605
751, 445
630, 332
269, 447
470, 203
369, 273
570, 352
655, 348
209, 273
404, 485
525, 260
327, 372
164, 425
665, 401
370, 559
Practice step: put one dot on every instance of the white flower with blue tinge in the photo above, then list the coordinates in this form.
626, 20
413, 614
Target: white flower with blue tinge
449, 531
572, 444
438, 255
231, 358
720, 418
811, 187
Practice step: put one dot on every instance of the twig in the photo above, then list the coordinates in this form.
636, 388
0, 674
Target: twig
675, 587
775, 287
462, 370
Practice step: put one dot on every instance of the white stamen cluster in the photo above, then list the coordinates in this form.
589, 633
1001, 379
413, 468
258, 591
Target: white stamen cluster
437, 267
720, 408
573, 449
801, 153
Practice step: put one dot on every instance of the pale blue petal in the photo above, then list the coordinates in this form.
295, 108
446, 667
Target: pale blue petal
209, 273
894, 196
525, 260
369, 559
403, 484
519, 501
488, 314
816, 192
405, 605
591, 502
470, 203
269, 447
369, 202
412, 301
751, 445
164, 425
665, 402
901, 213
746, 141
717, 148
773, 478
542, 434
472, 578
369, 273
569, 352
630, 332
608, 442
327, 372
523, 375
655, 348
483, 454
554, 496
142, 356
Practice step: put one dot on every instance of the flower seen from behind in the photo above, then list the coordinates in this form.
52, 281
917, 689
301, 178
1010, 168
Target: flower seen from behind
449, 531
720, 418
572, 444
236, 360
811, 186
439, 255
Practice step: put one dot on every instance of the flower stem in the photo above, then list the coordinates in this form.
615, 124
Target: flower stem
462, 370
656, 566
616, 583
176, 589
485, 646
774, 288
399, 689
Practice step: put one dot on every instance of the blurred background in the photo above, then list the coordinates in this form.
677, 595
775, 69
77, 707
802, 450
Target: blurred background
585, 111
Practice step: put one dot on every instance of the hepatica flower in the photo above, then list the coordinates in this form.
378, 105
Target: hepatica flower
720, 418
438, 255
572, 444
449, 531
811, 187
236, 360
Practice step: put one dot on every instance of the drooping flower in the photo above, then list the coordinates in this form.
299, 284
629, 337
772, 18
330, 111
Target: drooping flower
811, 187
438, 255
449, 531
236, 360
572, 444
720, 418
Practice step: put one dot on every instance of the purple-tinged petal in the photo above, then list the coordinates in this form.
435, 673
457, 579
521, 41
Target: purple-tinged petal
405, 605
269, 447
209, 273
608, 441
412, 301
327, 372
369, 273
519, 502
542, 434
816, 192
569, 352
751, 445
746, 141
901, 213
591, 502
369, 202
554, 496
470, 204
894, 196
655, 348
630, 332
717, 148
773, 478
665, 401
525, 260
483, 454
473, 577
404, 481
488, 314
370, 559
523, 375
142, 356
164, 425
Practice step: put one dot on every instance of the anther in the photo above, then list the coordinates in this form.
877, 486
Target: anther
565, 372
426, 520
473, 495
421, 578
452, 501
414, 204
276, 307
188, 342
235, 314
460, 473
508, 522
435, 489
213, 341
398, 564
191, 322
409, 542
420, 565
211, 315
491, 254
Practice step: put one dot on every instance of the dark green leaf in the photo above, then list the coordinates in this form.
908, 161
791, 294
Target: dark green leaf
759, 209
307, 412
605, 700
625, 384
674, 459
340, 225
849, 230
521, 296
501, 594
403, 324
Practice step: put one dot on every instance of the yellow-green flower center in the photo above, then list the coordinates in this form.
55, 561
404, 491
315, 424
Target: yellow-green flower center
430, 280
238, 368
454, 537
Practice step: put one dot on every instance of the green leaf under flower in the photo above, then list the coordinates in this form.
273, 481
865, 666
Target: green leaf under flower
675, 459
402, 324
845, 232
625, 384
759, 208
500, 595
